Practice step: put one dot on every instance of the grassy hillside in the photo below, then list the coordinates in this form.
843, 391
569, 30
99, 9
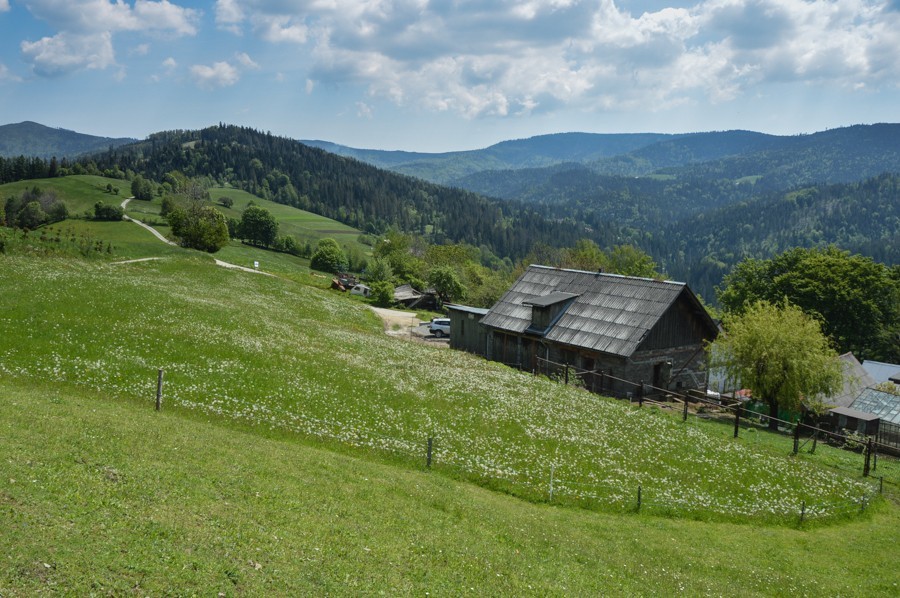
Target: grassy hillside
288, 357
103, 496
80, 193
128, 241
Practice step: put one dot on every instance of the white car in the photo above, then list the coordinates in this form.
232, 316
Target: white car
440, 327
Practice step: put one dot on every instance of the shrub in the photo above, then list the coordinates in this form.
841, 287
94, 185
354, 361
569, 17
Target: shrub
168, 204
199, 227
329, 257
382, 293
108, 212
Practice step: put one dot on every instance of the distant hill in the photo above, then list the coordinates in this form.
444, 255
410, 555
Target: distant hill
34, 139
770, 162
346, 190
543, 150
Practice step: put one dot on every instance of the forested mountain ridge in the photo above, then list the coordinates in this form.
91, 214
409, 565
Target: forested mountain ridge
34, 139
767, 165
861, 217
542, 150
344, 189
769, 162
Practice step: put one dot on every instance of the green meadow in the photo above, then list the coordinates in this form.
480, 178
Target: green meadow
106, 496
289, 456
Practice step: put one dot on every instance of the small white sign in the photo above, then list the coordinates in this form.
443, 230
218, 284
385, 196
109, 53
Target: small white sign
256, 265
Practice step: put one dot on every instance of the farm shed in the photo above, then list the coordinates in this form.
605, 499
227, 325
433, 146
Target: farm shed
411, 298
880, 371
629, 328
466, 332
854, 420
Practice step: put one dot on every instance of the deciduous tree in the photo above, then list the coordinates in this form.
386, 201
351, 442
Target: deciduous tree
857, 299
780, 354
258, 226
199, 227
328, 257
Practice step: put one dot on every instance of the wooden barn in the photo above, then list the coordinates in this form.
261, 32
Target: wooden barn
466, 332
629, 328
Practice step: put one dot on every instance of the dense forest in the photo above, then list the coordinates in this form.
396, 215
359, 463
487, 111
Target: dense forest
861, 217
345, 189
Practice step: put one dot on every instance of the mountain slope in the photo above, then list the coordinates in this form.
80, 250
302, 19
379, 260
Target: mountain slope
862, 218
344, 189
34, 139
542, 150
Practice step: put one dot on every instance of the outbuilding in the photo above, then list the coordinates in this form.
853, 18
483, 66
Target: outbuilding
466, 332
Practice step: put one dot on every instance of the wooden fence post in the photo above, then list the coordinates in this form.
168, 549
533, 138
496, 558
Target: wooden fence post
802, 511
867, 462
428, 454
640, 393
737, 419
797, 437
159, 386
684, 415
639, 498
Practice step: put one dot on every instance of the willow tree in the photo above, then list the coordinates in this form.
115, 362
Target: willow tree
780, 354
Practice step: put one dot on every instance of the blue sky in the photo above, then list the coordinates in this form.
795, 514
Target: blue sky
437, 75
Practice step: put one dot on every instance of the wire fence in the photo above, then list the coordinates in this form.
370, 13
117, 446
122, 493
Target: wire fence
608, 495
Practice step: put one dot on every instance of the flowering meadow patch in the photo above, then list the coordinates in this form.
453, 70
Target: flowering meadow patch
281, 355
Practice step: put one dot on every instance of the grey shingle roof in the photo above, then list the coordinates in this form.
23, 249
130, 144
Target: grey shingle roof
609, 313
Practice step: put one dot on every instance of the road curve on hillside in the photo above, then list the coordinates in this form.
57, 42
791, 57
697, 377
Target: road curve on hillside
156, 233
159, 236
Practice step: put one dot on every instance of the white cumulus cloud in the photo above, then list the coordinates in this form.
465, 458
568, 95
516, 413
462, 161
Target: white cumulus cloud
515, 57
221, 74
85, 29
64, 52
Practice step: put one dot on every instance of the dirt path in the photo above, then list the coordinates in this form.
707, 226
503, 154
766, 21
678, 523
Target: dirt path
155, 232
159, 236
405, 323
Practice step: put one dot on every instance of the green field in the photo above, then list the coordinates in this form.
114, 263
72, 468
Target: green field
104, 496
80, 193
285, 356
289, 456
291, 221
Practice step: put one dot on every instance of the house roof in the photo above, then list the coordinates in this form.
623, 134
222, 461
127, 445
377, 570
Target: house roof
405, 292
883, 405
854, 413
551, 299
855, 380
881, 372
608, 313
478, 311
